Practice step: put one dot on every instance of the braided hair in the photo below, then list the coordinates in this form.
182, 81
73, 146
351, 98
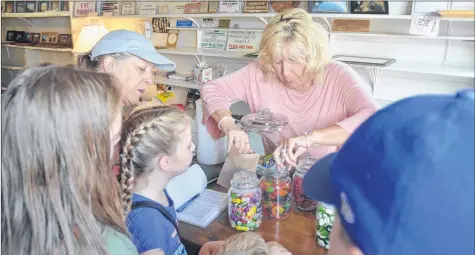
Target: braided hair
147, 134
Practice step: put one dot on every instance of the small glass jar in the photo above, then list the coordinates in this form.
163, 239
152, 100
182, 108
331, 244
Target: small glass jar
245, 202
300, 202
276, 189
325, 217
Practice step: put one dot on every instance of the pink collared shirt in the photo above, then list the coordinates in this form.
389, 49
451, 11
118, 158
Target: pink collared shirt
338, 99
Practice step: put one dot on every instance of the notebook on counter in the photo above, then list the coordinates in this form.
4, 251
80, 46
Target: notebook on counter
194, 203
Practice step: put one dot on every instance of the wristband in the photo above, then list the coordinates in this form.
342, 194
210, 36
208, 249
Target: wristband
225, 118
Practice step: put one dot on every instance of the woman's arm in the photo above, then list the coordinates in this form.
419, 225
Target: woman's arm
218, 95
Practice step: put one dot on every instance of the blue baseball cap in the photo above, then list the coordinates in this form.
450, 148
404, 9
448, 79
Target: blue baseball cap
403, 183
133, 43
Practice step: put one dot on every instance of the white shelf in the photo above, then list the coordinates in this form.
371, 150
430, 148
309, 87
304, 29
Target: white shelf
464, 72
215, 28
177, 83
421, 68
443, 37
268, 15
12, 67
204, 52
49, 14
36, 48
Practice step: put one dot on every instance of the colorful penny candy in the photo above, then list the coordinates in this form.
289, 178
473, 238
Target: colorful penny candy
325, 216
300, 202
245, 202
276, 197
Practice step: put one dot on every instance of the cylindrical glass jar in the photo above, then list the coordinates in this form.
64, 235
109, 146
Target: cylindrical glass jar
300, 202
276, 189
325, 217
245, 201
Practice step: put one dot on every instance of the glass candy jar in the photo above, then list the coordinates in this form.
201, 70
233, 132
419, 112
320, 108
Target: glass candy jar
245, 202
300, 202
325, 218
276, 190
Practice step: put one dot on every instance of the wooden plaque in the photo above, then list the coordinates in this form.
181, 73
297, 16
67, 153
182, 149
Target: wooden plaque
256, 6
350, 25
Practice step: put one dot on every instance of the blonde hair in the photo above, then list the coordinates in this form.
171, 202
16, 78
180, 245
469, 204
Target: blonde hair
248, 243
307, 41
147, 134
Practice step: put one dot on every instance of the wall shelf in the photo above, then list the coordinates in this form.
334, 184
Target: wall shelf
441, 37
269, 15
177, 83
36, 48
37, 14
204, 52
216, 28
12, 67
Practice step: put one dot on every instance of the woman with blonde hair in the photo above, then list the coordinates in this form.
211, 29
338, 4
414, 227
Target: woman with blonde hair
58, 194
294, 76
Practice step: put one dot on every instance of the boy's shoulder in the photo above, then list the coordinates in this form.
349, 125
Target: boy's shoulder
118, 243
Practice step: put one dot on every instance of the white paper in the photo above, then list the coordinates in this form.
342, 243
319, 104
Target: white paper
214, 40
421, 25
243, 40
184, 187
210, 22
229, 6
148, 8
128, 8
204, 209
84, 8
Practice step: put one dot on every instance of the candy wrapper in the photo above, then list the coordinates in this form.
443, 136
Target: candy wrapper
325, 217
245, 210
264, 163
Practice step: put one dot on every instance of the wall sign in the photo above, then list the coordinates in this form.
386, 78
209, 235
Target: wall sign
84, 8
214, 40
243, 40
128, 8
148, 8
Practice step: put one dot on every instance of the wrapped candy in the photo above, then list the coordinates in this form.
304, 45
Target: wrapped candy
325, 217
276, 188
245, 202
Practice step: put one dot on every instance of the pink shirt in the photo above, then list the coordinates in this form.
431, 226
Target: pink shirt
340, 99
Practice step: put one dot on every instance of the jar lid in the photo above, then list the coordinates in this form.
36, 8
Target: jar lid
244, 180
264, 121
305, 162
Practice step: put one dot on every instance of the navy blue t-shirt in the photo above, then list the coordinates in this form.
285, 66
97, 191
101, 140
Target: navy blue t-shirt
151, 230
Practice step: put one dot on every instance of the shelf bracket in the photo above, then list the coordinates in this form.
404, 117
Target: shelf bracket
8, 52
374, 74
326, 23
28, 21
193, 20
54, 55
263, 20
10, 71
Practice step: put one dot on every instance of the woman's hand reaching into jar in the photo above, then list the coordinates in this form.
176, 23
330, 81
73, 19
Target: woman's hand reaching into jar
290, 150
236, 137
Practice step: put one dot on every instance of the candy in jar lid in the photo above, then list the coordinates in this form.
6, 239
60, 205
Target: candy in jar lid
264, 121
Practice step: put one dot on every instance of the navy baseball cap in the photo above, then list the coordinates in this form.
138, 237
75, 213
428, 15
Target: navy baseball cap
133, 43
403, 183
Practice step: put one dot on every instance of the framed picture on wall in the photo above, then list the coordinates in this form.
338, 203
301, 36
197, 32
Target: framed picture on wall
55, 6
36, 38
30, 6
43, 6
11, 35
28, 37
9, 7
19, 36
49, 37
64, 39
325, 6
369, 7
20, 6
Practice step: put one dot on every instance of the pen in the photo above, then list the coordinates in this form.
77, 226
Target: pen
187, 203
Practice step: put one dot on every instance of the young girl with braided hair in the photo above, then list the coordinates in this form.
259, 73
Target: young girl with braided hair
156, 146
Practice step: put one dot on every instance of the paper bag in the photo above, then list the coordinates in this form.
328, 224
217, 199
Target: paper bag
236, 162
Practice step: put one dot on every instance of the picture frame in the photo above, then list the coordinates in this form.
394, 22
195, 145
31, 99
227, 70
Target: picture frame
328, 7
369, 7
49, 37
20, 7
30, 6
36, 38
9, 7
64, 5
28, 37
19, 36
55, 6
43, 6
11, 35
65, 39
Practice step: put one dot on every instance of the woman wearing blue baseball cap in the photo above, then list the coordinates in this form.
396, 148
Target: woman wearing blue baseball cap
128, 56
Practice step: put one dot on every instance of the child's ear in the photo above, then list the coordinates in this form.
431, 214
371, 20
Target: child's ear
164, 163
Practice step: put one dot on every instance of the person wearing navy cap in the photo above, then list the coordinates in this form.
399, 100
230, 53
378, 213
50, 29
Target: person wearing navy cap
403, 183
128, 56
